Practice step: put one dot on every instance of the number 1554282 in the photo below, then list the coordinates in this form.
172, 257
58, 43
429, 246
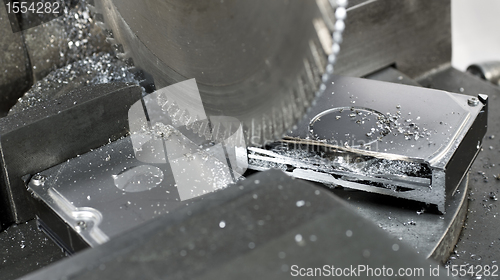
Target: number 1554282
472, 270
33, 8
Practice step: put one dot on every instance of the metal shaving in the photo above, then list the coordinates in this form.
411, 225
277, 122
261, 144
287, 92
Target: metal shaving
97, 69
408, 127
343, 162
76, 35
85, 57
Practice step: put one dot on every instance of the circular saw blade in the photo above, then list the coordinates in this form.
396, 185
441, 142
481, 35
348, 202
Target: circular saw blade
259, 61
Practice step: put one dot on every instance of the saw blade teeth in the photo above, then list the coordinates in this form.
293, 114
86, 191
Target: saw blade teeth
205, 130
327, 12
201, 128
193, 125
293, 106
236, 139
316, 73
173, 109
301, 90
190, 123
287, 122
291, 109
198, 128
222, 132
184, 117
216, 129
174, 114
267, 128
307, 86
225, 132
315, 51
165, 105
294, 98
309, 74
179, 116
255, 135
260, 127
228, 132
278, 123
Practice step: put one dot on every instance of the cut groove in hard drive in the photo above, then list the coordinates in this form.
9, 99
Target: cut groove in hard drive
353, 126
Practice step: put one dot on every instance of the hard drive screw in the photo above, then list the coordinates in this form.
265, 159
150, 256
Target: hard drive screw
473, 101
81, 225
38, 179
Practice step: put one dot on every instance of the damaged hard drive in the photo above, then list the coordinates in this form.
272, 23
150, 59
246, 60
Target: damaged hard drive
159, 167
397, 140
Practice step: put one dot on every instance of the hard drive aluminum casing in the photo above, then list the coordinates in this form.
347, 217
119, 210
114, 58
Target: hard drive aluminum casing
82, 194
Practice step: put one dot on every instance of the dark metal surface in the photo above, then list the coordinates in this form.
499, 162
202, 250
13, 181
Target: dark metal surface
413, 35
392, 75
48, 134
479, 241
256, 230
489, 71
23, 249
15, 68
431, 235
